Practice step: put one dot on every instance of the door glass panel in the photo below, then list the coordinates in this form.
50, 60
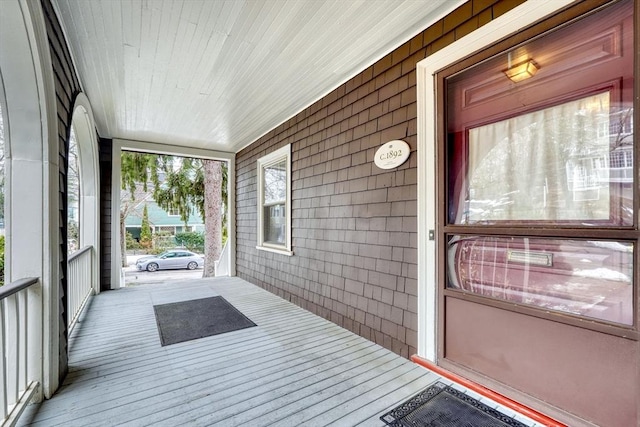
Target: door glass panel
562, 164
590, 278
555, 148
549, 165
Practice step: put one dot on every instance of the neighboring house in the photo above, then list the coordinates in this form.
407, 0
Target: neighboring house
161, 220
501, 250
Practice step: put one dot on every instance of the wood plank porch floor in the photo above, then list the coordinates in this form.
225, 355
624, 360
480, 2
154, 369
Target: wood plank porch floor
293, 369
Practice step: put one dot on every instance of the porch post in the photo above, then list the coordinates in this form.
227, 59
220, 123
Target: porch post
31, 159
84, 126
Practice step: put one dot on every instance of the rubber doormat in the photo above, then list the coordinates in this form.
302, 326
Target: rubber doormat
442, 406
199, 318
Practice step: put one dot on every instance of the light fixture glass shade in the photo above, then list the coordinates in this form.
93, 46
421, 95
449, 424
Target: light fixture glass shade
522, 71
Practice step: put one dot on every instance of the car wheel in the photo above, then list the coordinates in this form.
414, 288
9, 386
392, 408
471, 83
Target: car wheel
192, 265
152, 266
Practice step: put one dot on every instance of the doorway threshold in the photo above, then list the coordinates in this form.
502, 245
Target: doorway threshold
538, 417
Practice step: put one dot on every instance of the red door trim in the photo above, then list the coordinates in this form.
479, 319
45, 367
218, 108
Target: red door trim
497, 397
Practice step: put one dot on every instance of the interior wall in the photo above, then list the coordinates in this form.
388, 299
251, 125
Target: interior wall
354, 225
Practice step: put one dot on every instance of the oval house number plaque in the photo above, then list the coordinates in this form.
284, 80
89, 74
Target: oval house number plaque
392, 154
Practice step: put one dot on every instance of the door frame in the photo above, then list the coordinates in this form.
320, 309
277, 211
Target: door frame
520, 17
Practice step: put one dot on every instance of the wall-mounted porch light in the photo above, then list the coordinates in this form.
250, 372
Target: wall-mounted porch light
522, 71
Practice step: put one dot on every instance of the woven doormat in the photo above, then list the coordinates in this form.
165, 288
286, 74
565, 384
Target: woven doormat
442, 406
199, 318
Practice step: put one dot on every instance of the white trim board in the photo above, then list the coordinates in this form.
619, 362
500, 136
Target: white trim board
520, 17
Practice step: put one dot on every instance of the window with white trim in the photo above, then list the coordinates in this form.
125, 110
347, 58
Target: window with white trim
274, 201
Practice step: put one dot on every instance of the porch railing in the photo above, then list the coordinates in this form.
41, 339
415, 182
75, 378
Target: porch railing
222, 264
16, 379
80, 276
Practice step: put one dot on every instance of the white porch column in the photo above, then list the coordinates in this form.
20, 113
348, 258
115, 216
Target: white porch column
84, 126
32, 176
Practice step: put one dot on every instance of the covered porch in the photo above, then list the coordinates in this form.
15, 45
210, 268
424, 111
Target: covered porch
293, 369
346, 272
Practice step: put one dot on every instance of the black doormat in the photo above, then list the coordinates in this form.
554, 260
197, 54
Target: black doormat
442, 406
198, 318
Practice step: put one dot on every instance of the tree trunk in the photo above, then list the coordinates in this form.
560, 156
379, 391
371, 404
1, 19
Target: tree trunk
212, 215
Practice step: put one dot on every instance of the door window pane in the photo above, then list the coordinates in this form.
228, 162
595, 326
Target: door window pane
585, 277
561, 164
552, 149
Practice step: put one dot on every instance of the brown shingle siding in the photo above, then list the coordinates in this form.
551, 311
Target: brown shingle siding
434, 32
480, 5
382, 65
442, 42
502, 7
399, 55
484, 17
466, 28
457, 17
354, 225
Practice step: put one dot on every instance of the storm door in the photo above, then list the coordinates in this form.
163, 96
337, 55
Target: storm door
538, 228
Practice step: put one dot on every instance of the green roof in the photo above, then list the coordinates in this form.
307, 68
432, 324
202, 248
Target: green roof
159, 217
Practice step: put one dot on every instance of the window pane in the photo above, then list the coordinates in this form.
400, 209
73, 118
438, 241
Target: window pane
555, 148
274, 225
73, 195
275, 222
560, 164
275, 182
588, 278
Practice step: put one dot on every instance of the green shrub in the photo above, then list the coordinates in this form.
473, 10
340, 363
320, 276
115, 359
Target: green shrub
191, 240
163, 240
131, 242
146, 241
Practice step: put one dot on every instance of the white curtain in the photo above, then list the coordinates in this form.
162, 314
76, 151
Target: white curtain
547, 165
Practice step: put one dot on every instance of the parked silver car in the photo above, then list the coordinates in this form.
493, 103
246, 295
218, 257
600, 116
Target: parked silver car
170, 260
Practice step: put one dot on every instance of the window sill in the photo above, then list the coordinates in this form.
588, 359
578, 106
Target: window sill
275, 250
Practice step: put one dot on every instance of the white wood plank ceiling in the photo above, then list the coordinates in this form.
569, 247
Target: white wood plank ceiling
218, 74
